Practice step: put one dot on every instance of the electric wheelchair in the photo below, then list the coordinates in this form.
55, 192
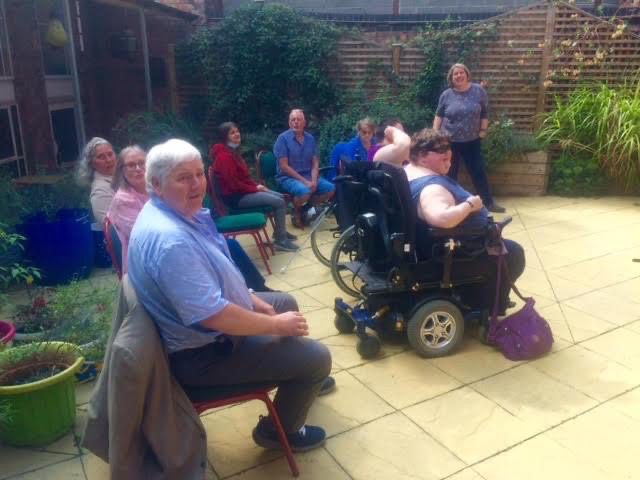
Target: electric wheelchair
409, 279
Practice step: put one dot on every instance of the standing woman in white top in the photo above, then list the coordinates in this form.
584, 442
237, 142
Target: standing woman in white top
95, 167
463, 113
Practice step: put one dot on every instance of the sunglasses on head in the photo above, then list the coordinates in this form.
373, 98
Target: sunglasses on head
443, 148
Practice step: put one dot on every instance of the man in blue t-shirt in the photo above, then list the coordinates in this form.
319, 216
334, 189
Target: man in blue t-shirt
298, 164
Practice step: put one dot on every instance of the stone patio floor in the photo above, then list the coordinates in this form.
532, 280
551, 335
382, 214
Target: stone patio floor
574, 414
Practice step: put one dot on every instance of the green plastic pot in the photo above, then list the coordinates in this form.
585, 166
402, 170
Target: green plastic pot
45, 410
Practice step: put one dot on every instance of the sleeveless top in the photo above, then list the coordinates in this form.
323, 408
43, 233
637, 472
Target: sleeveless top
477, 219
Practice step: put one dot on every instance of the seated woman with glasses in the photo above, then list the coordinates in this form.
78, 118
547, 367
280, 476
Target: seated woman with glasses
130, 185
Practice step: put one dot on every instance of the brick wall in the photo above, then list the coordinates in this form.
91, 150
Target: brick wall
31, 96
113, 85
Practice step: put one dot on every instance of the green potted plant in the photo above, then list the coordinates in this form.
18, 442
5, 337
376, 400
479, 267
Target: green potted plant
37, 391
12, 273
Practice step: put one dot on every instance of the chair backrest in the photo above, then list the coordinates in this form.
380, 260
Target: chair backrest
113, 244
213, 190
266, 166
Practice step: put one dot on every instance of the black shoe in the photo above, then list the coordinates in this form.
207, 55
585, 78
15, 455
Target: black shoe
285, 246
291, 236
328, 386
495, 208
307, 438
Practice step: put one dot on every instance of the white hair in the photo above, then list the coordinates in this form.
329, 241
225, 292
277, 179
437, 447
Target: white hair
164, 157
84, 173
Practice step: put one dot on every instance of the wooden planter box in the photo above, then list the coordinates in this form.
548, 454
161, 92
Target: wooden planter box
523, 174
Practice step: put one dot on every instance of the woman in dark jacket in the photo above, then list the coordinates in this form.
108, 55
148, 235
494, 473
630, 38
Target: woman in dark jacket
238, 189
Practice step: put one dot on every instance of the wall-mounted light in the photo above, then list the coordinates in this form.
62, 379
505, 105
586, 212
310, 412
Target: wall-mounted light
124, 44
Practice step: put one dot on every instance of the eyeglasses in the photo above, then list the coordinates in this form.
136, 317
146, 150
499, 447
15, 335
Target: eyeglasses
133, 166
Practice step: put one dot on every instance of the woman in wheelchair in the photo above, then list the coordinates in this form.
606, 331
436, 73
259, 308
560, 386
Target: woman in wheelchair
442, 203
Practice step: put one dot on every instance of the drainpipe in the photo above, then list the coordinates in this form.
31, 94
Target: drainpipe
76, 80
145, 53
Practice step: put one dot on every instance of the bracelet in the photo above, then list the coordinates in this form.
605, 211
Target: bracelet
469, 202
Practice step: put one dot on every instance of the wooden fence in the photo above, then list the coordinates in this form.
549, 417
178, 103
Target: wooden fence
533, 55
536, 53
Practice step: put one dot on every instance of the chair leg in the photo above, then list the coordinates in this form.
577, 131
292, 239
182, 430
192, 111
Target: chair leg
268, 241
275, 419
271, 218
262, 250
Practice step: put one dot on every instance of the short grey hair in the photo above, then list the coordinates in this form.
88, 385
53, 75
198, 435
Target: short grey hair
164, 157
85, 169
118, 173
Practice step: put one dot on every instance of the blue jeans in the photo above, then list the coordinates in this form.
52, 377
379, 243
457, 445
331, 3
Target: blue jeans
298, 189
471, 154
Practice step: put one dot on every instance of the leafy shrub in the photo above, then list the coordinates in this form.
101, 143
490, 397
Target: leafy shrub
576, 175
148, 128
602, 123
503, 141
260, 62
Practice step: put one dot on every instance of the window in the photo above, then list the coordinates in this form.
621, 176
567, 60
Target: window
55, 36
5, 62
10, 135
63, 125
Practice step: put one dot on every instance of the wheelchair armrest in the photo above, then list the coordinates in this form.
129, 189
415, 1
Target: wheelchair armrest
342, 178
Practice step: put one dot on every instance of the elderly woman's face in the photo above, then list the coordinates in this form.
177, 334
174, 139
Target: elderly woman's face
134, 170
459, 77
104, 160
234, 136
184, 188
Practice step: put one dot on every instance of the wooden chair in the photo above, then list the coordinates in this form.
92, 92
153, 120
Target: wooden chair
114, 246
231, 226
204, 399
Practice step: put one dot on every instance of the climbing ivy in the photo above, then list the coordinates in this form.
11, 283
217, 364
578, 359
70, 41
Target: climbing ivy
258, 63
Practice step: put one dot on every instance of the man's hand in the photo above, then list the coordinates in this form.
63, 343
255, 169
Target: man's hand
260, 306
476, 203
262, 188
291, 324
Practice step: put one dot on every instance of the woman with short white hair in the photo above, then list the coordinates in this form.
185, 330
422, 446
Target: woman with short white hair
218, 332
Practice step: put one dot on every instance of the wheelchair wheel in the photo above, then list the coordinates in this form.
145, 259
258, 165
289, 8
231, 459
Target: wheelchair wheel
343, 323
435, 329
345, 250
323, 238
368, 346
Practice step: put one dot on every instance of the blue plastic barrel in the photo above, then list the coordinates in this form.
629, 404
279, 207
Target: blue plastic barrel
63, 248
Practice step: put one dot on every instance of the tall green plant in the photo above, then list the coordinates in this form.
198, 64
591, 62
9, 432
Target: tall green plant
258, 63
603, 123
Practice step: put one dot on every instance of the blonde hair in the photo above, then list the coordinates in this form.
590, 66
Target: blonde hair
453, 67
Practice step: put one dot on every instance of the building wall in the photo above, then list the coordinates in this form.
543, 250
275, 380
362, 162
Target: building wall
112, 82
28, 73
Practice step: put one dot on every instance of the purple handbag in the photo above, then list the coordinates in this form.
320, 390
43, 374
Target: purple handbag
523, 335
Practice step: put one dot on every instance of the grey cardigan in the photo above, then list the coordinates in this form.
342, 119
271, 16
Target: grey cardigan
140, 420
